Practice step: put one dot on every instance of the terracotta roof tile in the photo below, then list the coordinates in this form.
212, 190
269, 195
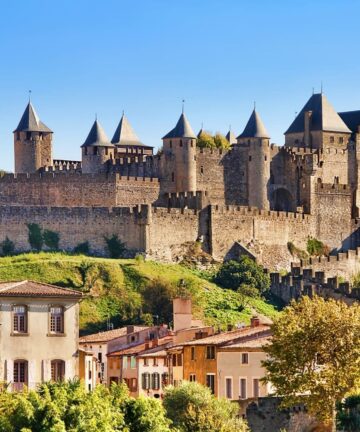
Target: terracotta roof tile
27, 288
108, 335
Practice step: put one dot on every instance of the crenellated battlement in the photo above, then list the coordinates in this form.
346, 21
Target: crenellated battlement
161, 211
332, 188
254, 211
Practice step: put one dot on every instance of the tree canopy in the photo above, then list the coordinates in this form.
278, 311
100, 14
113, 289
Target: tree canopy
206, 140
314, 357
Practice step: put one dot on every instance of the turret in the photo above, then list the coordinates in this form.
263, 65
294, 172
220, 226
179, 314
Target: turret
32, 143
179, 162
257, 139
97, 150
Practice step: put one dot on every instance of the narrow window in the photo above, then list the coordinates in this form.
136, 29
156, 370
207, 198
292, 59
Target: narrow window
192, 377
249, 158
228, 387
85, 151
145, 378
210, 382
100, 357
155, 381
95, 151
341, 140
192, 353
170, 144
20, 374
18, 136
179, 360
124, 362
155, 361
202, 170
174, 360
133, 362
256, 388
57, 370
56, 320
242, 394
28, 135
244, 358
210, 352
106, 151
332, 139
172, 177
146, 361
181, 143
19, 319
164, 379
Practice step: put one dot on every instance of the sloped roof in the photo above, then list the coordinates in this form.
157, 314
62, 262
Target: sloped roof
323, 118
125, 135
106, 336
97, 137
27, 288
249, 343
30, 121
230, 136
351, 119
181, 130
254, 127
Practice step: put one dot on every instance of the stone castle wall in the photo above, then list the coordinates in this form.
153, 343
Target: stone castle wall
73, 189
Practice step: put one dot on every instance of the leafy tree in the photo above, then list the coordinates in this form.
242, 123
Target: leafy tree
221, 142
245, 272
7, 246
348, 417
314, 357
157, 297
146, 415
115, 247
35, 236
192, 408
205, 140
51, 239
82, 249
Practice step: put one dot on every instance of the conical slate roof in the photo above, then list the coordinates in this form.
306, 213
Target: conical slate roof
30, 121
230, 136
181, 130
254, 128
323, 118
125, 135
97, 137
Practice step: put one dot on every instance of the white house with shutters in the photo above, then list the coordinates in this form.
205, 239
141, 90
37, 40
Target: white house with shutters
39, 331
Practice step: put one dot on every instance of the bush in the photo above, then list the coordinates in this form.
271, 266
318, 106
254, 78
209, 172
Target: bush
82, 249
234, 274
51, 239
116, 248
315, 247
221, 142
8, 247
146, 415
35, 236
192, 407
205, 140
348, 417
157, 296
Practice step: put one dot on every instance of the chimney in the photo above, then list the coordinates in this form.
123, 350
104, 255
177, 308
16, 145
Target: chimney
182, 313
255, 321
130, 329
307, 122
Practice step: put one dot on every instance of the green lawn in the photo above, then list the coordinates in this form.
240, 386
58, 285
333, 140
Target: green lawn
114, 288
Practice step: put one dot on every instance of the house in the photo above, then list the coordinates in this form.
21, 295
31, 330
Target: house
89, 369
211, 360
38, 333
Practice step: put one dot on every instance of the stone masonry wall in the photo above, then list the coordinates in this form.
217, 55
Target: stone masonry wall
76, 225
74, 189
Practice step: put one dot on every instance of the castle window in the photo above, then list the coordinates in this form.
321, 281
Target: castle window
341, 140
85, 151
265, 158
28, 135
332, 139
170, 144
202, 170
249, 158
106, 151
18, 136
180, 143
296, 141
192, 143
172, 176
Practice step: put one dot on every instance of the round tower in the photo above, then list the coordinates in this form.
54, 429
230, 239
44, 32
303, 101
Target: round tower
97, 150
179, 161
256, 138
32, 143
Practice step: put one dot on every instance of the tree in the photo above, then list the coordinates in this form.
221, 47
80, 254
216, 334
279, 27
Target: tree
115, 246
8, 247
35, 236
158, 295
348, 417
245, 272
51, 239
314, 357
192, 408
205, 140
221, 142
146, 415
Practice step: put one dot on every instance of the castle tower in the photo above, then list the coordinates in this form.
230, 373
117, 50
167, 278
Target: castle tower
230, 136
96, 150
32, 143
257, 139
179, 164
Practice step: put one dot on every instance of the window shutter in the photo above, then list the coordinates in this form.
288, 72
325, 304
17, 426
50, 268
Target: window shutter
9, 371
32, 374
69, 370
46, 376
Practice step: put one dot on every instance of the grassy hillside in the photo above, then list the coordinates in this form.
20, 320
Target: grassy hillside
130, 291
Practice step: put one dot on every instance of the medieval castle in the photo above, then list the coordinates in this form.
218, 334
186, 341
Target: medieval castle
255, 197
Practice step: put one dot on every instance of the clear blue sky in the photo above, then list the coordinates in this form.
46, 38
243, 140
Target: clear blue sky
84, 57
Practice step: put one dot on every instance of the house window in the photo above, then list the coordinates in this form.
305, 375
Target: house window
146, 361
242, 394
100, 357
19, 319
210, 382
245, 358
179, 360
20, 374
192, 353
155, 381
124, 362
256, 387
210, 352
332, 139
145, 380
155, 361
56, 320
132, 362
228, 387
57, 370
164, 379
192, 378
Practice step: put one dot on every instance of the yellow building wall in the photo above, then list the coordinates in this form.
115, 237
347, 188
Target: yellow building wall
200, 366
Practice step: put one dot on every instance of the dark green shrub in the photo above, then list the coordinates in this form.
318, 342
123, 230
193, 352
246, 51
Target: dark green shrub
35, 236
116, 248
82, 249
316, 247
7, 246
234, 274
51, 239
